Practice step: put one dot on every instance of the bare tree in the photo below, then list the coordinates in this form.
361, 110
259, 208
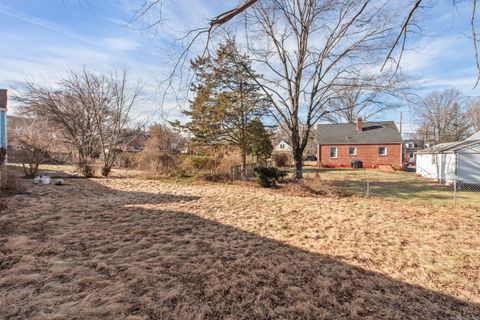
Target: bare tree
410, 11
474, 114
307, 50
35, 139
368, 96
165, 139
443, 117
91, 111
109, 98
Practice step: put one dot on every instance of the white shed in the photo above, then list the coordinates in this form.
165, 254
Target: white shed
446, 162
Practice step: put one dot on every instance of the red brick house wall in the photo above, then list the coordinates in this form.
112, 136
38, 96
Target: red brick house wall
367, 153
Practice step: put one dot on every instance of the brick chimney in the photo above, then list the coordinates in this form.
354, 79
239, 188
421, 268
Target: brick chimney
359, 124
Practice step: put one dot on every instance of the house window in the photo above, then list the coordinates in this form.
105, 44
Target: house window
282, 146
410, 146
333, 152
411, 155
382, 151
352, 151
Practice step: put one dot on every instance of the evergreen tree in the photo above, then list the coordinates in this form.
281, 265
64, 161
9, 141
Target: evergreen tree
227, 99
259, 142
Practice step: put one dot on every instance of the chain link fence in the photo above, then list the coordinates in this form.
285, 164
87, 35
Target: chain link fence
395, 185
236, 171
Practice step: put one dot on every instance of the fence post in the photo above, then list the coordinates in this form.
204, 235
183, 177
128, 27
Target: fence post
368, 187
455, 191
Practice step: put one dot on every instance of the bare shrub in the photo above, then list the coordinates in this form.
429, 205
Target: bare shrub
315, 186
10, 184
194, 165
156, 161
3, 205
158, 155
3, 156
214, 169
35, 138
281, 159
87, 166
227, 162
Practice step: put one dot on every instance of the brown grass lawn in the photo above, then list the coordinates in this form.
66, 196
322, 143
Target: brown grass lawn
137, 249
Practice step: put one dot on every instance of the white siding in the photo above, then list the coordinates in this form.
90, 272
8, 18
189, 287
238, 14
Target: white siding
441, 168
469, 165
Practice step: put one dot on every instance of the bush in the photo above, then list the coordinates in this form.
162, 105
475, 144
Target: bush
88, 167
315, 186
194, 165
267, 177
10, 184
281, 159
158, 162
215, 169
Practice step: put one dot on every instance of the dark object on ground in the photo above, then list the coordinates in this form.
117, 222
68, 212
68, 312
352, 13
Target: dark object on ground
356, 164
267, 177
311, 157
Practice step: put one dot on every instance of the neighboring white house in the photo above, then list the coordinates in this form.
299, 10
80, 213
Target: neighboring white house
446, 162
283, 146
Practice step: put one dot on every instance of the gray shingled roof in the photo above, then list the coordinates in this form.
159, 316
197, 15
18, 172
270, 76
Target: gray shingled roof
451, 147
382, 132
3, 99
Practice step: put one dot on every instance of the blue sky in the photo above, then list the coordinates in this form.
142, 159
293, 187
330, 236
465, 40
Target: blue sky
42, 39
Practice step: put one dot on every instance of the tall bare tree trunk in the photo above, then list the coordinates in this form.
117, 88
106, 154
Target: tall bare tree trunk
244, 164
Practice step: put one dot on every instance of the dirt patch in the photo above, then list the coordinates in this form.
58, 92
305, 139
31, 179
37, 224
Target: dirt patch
137, 249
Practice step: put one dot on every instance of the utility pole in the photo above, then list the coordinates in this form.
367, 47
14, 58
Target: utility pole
402, 149
401, 123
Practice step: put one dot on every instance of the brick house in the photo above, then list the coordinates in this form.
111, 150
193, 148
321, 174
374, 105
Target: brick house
374, 143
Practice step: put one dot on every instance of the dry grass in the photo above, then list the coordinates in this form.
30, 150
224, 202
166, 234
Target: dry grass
137, 249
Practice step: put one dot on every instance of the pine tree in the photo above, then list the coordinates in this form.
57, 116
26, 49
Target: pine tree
259, 142
227, 99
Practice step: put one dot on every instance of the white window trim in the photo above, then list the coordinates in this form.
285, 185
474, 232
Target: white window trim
353, 154
383, 155
330, 152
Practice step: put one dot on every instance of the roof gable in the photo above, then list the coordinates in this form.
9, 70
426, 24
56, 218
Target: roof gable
451, 147
381, 132
475, 136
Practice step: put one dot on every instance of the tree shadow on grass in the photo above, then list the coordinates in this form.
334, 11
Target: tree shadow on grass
163, 264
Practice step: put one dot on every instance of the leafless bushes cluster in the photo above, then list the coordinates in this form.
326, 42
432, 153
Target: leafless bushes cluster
35, 139
315, 186
89, 110
9, 185
163, 164
161, 157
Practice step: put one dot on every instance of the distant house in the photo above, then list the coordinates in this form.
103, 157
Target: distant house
373, 143
446, 162
410, 147
283, 146
3, 127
